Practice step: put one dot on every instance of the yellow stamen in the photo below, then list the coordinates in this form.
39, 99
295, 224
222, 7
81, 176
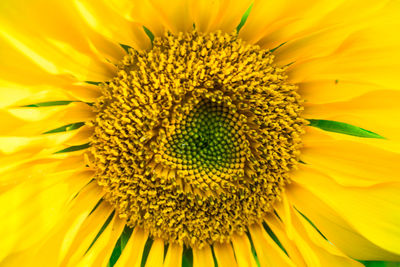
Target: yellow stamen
194, 139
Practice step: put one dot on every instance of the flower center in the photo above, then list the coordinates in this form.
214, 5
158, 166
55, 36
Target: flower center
194, 139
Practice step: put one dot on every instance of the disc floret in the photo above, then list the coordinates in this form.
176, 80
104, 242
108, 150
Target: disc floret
194, 139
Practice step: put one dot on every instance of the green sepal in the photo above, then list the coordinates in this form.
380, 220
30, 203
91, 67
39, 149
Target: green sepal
146, 251
244, 18
343, 128
275, 48
274, 237
73, 148
66, 128
48, 104
187, 257
149, 34
120, 245
106, 223
253, 249
126, 47
93, 83
380, 263
312, 224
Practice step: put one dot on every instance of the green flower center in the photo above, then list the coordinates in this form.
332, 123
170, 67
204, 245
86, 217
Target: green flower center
194, 140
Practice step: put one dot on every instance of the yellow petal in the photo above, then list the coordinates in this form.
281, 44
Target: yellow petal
156, 254
351, 163
309, 254
328, 254
222, 15
132, 253
30, 210
316, 250
174, 14
362, 57
205, 14
242, 248
59, 58
327, 91
373, 211
203, 257
109, 21
327, 35
283, 20
24, 151
174, 255
82, 91
35, 121
334, 227
225, 255
233, 13
314, 134
82, 136
99, 254
268, 252
281, 232
79, 243
51, 251
12, 94
56, 39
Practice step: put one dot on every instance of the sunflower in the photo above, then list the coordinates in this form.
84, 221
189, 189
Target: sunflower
199, 133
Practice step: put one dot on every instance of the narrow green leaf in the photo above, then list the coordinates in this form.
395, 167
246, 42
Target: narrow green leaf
66, 128
97, 205
149, 34
274, 49
73, 148
380, 263
126, 47
107, 222
166, 246
273, 236
48, 104
253, 249
187, 257
146, 251
215, 258
93, 83
244, 18
312, 224
120, 245
343, 128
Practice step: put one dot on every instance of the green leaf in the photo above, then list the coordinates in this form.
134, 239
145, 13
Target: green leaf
274, 237
253, 249
343, 128
49, 104
146, 251
66, 128
187, 257
312, 224
274, 49
107, 222
120, 245
149, 34
93, 83
244, 18
126, 47
380, 264
73, 148
215, 258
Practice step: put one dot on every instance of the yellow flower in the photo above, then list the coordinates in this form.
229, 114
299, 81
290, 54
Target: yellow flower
197, 133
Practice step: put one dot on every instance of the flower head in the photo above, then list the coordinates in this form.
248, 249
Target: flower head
198, 133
